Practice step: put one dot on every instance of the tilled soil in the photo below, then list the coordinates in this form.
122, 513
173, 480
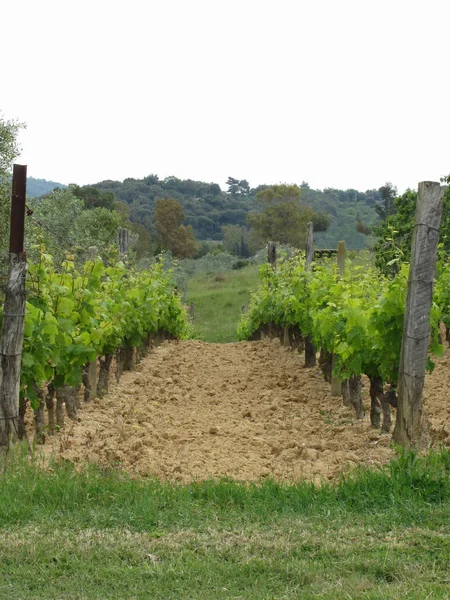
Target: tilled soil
249, 410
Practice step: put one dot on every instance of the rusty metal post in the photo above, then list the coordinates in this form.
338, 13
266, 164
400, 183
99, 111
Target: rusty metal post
19, 188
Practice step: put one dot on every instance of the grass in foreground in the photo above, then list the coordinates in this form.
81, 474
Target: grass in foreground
218, 303
93, 534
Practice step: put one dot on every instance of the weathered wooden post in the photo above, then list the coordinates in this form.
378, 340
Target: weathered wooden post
90, 379
336, 386
123, 242
309, 244
310, 349
272, 254
341, 258
11, 342
416, 324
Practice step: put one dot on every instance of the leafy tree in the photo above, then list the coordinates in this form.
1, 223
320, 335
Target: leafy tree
93, 197
97, 227
236, 240
395, 232
172, 234
283, 218
238, 187
388, 193
207, 208
62, 224
321, 221
9, 151
9, 146
151, 179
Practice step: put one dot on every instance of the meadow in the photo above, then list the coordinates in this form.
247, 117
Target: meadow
218, 299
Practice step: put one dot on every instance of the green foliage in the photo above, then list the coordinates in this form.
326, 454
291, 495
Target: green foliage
386, 208
238, 188
395, 232
173, 235
9, 146
61, 222
74, 315
358, 317
9, 151
344, 208
93, 197
236, 240
208, 208
283, 218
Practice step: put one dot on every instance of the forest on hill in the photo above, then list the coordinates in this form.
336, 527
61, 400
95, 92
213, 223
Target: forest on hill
41, 187
208, 208
219, 216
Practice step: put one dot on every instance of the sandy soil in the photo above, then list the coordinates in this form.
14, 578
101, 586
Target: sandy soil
248, 410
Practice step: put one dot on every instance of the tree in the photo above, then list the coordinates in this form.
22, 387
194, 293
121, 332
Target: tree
395, 232
9, 151
321, 221
9, 146
283, 218
173, 235
61, 222
236, 240
388, 194
237, 187
93, 197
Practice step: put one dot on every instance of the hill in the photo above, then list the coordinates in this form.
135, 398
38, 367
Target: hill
208, 208
40, 187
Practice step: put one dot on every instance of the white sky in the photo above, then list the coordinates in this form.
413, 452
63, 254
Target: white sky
339, 93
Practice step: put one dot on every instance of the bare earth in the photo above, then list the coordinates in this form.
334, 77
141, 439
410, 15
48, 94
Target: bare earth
249, 410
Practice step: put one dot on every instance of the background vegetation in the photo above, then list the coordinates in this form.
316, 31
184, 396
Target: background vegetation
217, 216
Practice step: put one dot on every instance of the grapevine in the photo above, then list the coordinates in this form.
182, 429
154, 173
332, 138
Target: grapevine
357, 318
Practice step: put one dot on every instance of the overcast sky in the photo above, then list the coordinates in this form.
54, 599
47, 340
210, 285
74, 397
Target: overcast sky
338, 93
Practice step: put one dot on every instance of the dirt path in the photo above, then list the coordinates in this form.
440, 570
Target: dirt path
247, 410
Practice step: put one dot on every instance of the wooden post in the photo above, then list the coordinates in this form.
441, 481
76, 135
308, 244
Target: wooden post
336, 385
416, 324
92, 377
341, 258
272, 254
123, 241
310, 244
310, 349
92, 366
11, 342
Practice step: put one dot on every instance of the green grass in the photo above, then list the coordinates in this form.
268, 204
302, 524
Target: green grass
218, 304
98, 534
